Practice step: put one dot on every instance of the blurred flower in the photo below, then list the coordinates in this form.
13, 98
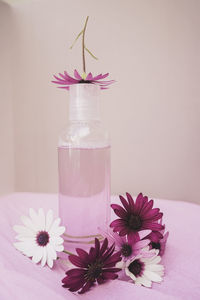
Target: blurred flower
158, 239
96, 266
135, 217
39, 238
127, 245
65, 80
143, 270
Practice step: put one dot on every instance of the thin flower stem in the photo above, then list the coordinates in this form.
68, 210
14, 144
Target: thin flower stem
83, 44
67, 252
83, 236
81, 242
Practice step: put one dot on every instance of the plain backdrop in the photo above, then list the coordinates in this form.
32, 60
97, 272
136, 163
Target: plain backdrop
150, 47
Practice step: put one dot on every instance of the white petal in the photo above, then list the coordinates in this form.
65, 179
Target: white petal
49, 219
41, 219
154, 267
22, 230
128, 273
144, 281
26, 248
59, 248
34, 217
28, 223
49, 260
54, 225
44, 257
37, 256
51, 251
59, 230
56, 240
23, 238
152, 276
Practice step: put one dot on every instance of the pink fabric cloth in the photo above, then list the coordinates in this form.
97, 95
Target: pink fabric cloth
20, 279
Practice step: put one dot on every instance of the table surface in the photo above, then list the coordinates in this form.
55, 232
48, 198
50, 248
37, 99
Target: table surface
21, 279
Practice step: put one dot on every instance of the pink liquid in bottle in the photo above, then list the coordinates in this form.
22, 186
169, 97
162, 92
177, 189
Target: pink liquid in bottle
84, 188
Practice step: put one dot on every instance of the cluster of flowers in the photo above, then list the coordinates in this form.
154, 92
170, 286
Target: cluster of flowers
130, 249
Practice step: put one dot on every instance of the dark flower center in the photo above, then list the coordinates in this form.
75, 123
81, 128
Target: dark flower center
94, 271
126, 250
84, 81
155, 245
134, 222
42, 238
136, 267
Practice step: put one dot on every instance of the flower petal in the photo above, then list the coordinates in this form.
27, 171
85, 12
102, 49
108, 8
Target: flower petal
77, 75
75, 260
86, 287
49, 219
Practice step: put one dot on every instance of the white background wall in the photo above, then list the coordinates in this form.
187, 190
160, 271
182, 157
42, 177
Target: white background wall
152, 49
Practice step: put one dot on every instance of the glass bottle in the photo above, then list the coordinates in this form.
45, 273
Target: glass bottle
84, 164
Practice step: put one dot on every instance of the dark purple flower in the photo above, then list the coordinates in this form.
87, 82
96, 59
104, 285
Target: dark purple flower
135, 216
65, 80
158, 240
96, 266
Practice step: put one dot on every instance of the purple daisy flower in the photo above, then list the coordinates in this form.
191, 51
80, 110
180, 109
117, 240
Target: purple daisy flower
158, 240
96, 266
65, 80
127, 245
136, 216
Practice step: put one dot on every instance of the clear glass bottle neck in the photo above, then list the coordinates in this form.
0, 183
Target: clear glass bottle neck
84, 103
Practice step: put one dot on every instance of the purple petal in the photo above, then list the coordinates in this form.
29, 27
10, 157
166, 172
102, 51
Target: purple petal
82, 254
77, 75
104, 246
114, 270
139, 203
70, 281
155, 236
89, 76
75, 272
152, 226
131, 202
92, 254
124, 203
112, 260
144, 233
108, 275
119, 211
123, 231
133, 237
151, 213
108, 253
63, 87
117, 223
148, 206
100, 280
75, 260
71, 79
76, 287
100, 76
141, 244
86, 287
97, 247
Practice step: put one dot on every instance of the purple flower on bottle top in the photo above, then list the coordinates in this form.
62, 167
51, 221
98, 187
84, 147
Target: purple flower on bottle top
136, 216
96, 266
65, 80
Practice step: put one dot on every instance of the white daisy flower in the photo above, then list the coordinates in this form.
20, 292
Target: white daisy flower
39, 238
143, 270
